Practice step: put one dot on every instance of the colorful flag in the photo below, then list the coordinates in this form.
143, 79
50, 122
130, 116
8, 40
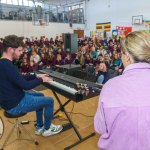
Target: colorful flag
123, 30
104, 26
148, 22
114, 32
147, 25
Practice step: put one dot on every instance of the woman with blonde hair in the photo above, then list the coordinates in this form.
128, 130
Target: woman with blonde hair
101, 70
123, 114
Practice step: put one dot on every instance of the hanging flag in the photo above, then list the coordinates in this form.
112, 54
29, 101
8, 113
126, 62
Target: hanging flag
123, 30
148, 22
114, 33
147, 25
104, 26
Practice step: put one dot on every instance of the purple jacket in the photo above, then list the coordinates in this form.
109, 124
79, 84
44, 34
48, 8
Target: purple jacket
123, 113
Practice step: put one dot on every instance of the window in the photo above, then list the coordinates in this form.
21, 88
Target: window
30, 3
69, 8
75, 7
53, 7
81, 5
46, 7
3, 1
9, 1
25, 2
20, 2
66, 8
15, 2
38, 4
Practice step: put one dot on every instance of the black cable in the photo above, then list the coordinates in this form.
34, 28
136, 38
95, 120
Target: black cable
71, 111
21, 121
75, 113
80, 114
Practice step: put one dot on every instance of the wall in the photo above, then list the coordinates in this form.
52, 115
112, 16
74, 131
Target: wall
25, 28
119, 12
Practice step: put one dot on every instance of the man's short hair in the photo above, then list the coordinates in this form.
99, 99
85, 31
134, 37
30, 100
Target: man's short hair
12, 41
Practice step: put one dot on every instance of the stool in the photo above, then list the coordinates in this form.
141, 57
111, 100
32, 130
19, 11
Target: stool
18, 126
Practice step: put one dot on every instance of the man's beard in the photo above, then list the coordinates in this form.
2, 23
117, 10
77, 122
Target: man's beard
14, 56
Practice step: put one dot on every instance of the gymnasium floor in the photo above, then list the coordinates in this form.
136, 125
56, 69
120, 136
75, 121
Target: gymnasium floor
59, 141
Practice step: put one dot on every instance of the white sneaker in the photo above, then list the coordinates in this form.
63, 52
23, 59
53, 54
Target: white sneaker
39, 131
54, 129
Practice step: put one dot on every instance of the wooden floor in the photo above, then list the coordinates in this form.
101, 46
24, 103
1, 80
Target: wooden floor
63, 139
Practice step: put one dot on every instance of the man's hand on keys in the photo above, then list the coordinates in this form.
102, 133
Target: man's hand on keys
45, 77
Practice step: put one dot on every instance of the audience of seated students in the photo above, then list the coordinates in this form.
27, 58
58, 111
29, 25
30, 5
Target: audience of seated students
102, 51
122, 118
77, 58
68, 59
24, 66
88, 59
35, 57
43, 61
101, 71
59, 60
111, 46
116, 62
107, 60
93, 52
96, 54
1, 46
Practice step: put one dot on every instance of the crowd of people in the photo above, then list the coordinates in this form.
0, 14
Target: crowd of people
100, 57
122, 118
124, 103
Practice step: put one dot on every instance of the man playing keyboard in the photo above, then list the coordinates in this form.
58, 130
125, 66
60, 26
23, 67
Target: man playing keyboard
14, 95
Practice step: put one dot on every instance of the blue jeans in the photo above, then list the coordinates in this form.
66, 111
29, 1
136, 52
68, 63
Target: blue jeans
35, 101
100, 79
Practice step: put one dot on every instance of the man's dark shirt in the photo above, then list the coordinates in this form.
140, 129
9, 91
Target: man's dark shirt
13, 84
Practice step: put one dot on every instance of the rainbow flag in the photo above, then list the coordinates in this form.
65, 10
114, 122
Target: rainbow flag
104, 26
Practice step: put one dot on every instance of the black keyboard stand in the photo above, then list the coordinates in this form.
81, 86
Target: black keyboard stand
62, 108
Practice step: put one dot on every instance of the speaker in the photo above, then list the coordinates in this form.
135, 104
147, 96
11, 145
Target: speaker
71, 42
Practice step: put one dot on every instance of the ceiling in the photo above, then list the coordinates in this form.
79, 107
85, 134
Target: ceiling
60, 2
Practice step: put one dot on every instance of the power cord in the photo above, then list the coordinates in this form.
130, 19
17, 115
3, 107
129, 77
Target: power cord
22, 122
71, 111
80, 114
